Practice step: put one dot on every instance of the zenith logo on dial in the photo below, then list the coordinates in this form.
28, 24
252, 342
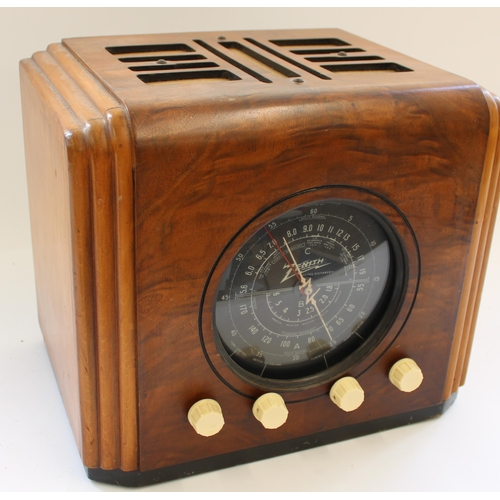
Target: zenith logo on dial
304, 267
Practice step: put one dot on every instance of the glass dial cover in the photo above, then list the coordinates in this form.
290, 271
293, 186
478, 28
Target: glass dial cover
308, 292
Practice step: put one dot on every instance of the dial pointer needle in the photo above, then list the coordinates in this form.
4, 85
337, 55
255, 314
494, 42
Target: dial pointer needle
310, 298
308, 290
301, 277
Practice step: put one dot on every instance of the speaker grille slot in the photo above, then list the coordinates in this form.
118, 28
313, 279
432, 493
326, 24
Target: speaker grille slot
189, 75
324, 51
136, 49
170, 67
366, 67
309, 41
183, 57
344, 58
272, 65
288, 59
234, 62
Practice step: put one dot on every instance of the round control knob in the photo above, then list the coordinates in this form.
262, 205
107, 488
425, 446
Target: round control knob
206, 417
406, 375
270, 410
347, 394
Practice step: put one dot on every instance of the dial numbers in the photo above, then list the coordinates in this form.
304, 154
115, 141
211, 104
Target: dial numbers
305, 290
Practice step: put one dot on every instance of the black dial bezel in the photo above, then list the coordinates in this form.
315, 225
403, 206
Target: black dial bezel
390, 219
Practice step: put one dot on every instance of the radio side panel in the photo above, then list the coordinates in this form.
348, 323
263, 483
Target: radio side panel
478, 255
48, 146
79, 164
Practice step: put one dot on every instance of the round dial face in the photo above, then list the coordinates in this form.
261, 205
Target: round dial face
307, 291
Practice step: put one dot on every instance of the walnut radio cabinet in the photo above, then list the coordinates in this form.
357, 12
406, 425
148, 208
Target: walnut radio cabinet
252, 243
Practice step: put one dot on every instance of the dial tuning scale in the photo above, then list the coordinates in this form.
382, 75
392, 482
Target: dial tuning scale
248, 242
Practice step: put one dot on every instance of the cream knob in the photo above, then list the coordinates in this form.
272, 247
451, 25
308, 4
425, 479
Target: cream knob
206, 417
406, 375
347, 394
270, 410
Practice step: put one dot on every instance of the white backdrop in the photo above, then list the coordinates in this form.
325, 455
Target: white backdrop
458, 452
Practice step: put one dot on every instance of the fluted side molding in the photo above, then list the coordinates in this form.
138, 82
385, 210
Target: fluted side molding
97, 157
478, 255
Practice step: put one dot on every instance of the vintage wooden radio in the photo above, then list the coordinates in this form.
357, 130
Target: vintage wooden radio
252, 243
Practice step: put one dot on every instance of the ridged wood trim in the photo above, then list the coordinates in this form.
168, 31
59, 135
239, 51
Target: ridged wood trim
98, 94
103, 215
55, 105
121, 156
101, 193
490, 220
473, 282
74, 98
123, 160
83, 269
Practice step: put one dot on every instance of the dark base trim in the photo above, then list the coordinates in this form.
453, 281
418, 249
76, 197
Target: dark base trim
137, 478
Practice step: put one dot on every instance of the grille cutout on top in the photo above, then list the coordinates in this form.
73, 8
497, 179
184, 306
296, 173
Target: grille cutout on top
162, 66
343, 58
182, 57
324, 51
247, 51
234, 62
175, 62
134, 49
188, 75
309, 41
288, 59
388, 66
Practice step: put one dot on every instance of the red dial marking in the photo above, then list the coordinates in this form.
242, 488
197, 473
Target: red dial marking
284, 256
